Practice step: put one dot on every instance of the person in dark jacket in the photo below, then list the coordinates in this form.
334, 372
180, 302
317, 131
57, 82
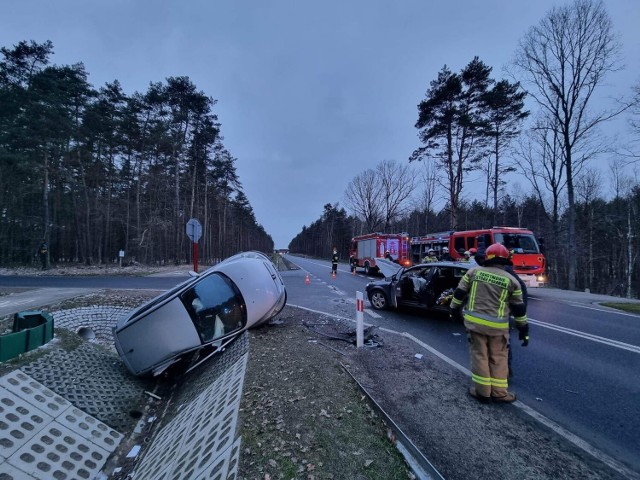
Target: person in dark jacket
334, 262
43, 251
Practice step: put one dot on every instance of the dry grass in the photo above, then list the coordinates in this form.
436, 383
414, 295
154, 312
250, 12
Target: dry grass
303, 417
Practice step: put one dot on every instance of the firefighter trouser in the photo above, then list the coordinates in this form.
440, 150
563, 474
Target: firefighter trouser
489, 363
334, 267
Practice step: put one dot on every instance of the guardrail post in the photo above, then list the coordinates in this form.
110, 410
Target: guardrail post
359, 319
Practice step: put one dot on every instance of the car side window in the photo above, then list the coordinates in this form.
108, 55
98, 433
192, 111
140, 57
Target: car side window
215, 306
414, 272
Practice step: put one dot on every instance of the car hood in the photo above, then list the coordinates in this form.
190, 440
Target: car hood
387, 267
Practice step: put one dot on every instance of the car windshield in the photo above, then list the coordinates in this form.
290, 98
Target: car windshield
518, 242
215, 306
417, 272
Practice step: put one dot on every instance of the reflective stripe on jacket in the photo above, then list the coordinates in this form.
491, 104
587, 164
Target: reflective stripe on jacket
490, 293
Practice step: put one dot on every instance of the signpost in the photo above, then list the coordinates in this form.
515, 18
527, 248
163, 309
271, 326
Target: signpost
194, 232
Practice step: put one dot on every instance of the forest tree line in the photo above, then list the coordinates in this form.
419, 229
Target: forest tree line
92, 171
607, 235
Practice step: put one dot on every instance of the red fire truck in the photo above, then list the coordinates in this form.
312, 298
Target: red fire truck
528, 258
365, 249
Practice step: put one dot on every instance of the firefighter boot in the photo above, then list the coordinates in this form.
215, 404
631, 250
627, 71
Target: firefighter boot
477, 396
508, 398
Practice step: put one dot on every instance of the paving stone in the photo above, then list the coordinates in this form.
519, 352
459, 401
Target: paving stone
25, 387
200, 437
225, 467
19, 422
193, 384
95, 381
57, 452
90, 428
9, 472
44, 437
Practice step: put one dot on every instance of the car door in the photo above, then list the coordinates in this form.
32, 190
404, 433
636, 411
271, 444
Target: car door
394, 289
428, 295
411, 284
442, 284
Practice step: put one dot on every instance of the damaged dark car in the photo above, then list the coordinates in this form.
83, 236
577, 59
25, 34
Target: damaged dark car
427, 286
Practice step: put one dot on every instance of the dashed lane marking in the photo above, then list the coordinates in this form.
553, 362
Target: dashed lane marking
372, 313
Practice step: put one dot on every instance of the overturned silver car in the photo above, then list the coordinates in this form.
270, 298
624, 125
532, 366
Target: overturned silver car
203, 313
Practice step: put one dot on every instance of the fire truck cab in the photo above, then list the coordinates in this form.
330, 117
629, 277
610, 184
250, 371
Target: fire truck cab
528, 258
365, 249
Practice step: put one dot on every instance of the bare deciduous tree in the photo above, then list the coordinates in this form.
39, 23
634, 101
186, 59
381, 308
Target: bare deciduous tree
588, 190
398, 183
363, 198
542, 163
382, 195
563, 60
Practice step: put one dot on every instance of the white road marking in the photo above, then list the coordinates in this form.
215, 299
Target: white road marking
605, 310
372, 313
336, 290
587, 336
2, 304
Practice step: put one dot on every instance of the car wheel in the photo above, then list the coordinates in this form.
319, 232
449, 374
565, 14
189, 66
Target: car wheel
367, 268
378, 300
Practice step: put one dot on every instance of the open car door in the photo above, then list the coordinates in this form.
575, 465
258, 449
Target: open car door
442, 284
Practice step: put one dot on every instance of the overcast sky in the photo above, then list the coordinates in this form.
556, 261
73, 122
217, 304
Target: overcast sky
310, 94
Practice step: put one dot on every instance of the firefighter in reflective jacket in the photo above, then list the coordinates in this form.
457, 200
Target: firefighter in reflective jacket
491, 294
334, 261
430, 257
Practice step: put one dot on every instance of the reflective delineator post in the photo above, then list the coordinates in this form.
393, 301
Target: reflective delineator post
359, 319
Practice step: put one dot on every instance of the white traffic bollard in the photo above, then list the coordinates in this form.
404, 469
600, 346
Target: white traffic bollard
359, 319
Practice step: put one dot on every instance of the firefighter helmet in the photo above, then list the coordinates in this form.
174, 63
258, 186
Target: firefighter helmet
497, 250
467, 253
431, 251
445, 250
473, 250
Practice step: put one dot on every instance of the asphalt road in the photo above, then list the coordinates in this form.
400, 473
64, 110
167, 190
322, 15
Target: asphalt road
580, 369
92, 282
45, 290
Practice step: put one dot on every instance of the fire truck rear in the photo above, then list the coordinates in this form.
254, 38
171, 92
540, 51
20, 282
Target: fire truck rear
365, 249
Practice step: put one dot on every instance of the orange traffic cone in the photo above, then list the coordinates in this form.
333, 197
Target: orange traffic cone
307, 281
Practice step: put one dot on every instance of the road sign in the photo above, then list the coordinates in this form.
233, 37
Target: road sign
194, 230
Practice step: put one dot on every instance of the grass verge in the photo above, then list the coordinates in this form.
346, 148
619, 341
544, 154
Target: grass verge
627, 307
